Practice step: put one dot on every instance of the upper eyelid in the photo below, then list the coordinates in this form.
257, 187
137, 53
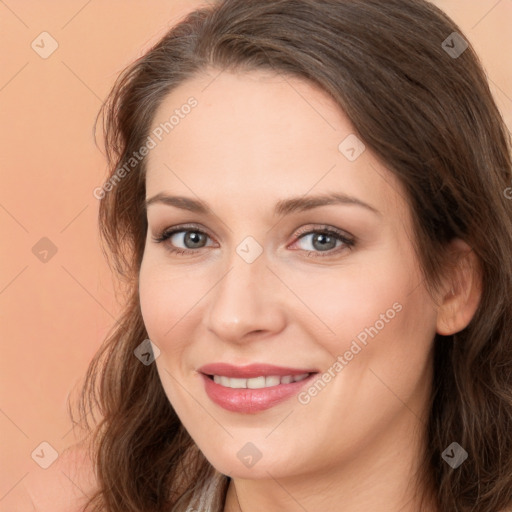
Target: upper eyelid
302, 231
178, 229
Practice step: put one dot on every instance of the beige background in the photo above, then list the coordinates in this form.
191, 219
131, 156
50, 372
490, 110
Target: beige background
55, 314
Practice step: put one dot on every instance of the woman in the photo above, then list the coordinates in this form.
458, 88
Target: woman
306, 202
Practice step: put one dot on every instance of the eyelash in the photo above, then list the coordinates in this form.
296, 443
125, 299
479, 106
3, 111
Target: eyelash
349, 242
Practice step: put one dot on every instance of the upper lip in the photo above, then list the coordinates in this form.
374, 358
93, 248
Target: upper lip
251, 370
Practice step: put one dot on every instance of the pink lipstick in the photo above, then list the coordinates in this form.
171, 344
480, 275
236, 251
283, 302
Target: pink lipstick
252, 388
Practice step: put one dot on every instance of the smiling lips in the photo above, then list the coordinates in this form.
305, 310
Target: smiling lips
252, 388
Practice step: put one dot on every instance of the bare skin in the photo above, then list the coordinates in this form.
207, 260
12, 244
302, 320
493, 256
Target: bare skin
252, 140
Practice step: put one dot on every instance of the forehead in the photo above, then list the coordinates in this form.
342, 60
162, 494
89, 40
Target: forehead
257, 136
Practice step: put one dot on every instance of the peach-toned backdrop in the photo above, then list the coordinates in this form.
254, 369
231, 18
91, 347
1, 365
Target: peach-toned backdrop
56, 293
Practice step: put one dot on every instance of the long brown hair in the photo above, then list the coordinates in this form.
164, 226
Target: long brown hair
428, 114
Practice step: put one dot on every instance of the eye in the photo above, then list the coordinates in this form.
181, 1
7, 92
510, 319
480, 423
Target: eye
189, 236
324, 240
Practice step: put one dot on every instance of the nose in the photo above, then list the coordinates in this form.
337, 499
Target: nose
246, 303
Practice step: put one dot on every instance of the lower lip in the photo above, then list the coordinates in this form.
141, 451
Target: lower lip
251, 400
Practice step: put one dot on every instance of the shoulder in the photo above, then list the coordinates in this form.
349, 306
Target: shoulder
65, 486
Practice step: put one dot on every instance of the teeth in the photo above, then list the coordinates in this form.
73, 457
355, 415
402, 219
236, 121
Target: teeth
257, 382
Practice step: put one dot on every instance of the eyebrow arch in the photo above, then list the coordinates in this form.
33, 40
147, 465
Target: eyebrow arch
282, 207
303, 203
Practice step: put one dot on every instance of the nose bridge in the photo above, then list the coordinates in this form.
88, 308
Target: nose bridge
244, 300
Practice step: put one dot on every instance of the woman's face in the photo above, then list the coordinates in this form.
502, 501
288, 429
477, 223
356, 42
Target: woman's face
266, 285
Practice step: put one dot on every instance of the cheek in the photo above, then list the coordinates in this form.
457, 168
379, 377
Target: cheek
172, 301
386, 326
164, 299
348, 300
378, 316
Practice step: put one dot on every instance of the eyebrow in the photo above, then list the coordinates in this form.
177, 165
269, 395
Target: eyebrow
282, 207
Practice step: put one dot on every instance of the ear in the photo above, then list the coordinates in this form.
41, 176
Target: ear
461, 291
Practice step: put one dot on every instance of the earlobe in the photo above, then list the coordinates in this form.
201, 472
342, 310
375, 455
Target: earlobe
462, 291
